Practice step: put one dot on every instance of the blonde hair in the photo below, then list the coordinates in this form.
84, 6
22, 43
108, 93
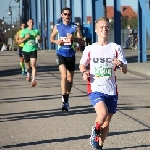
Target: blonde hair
101, 19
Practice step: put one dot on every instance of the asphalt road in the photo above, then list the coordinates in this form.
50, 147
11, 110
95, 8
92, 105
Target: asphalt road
31, 118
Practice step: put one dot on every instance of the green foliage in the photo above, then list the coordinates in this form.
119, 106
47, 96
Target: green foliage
111, 24
133, 21
124, 22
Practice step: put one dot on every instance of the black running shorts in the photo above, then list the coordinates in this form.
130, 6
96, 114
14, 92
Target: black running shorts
28, 55
20, 51
69, 62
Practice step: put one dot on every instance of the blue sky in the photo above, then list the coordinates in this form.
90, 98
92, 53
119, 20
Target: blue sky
4, 5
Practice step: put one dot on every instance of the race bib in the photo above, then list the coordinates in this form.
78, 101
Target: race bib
31, 42
102, 71
66, 41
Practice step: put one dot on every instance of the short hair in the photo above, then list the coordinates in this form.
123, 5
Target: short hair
103, 19
66, 8
23, 23
30, 19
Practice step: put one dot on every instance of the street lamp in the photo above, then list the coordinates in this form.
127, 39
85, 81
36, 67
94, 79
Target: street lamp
4, 17
10, 14
10, 11
17, 1
3, 22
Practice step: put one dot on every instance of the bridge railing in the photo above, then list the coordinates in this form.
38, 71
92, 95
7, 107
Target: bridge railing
146, 14
143, 25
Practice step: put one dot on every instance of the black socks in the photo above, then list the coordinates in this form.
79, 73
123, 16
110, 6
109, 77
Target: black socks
65, 98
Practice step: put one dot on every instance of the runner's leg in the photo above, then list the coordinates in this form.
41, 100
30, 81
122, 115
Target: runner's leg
105, 129
63, 71
70, 75
22, 64
26, 56
33, 59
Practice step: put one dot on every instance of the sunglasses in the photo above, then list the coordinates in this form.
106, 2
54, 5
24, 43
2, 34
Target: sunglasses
67, 14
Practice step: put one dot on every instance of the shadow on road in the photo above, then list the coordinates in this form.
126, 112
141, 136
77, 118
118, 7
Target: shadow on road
46, 113
72, 139
134, 59
48, 141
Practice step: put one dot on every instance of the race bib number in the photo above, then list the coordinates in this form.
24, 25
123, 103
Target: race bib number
31, 42
66, 40
102, 71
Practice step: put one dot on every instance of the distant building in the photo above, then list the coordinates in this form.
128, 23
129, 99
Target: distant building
125, 11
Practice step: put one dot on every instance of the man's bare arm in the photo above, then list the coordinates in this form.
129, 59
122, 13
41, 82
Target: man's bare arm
124, 68
21, 40
79, 38
17, 37
52, 37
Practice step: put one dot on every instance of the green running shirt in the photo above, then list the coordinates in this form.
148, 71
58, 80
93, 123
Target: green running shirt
30, 44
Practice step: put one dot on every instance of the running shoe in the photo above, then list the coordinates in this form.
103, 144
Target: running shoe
99, 147
28, 78
23, 73
65, 106
94, 139
34, 83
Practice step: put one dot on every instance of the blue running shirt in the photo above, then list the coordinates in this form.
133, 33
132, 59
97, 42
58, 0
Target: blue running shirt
68, 49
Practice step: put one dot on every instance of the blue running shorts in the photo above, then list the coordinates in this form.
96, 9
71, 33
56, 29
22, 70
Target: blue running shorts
109, 100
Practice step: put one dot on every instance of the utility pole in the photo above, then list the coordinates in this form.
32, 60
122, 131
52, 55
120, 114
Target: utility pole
65, 3
105, 11
11, 33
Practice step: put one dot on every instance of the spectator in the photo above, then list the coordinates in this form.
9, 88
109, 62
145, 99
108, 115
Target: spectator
88, 33
126, 44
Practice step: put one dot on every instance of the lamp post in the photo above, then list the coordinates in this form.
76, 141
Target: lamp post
10, 14
17, 1
4, 19
4, 24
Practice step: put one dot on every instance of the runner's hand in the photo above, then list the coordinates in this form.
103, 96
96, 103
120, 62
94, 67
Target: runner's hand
86, 75
27, 36
70, 36
38, 37
60, 42
116, 62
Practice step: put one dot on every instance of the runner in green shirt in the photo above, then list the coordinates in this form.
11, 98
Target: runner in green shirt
28, 37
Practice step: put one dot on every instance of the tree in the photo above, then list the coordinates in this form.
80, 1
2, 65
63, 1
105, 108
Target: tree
124, 22
133, 21
111, 23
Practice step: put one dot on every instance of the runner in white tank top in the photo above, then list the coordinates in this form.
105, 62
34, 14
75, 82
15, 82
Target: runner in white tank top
102, 58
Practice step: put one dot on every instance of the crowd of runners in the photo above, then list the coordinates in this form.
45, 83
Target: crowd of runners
97, 66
